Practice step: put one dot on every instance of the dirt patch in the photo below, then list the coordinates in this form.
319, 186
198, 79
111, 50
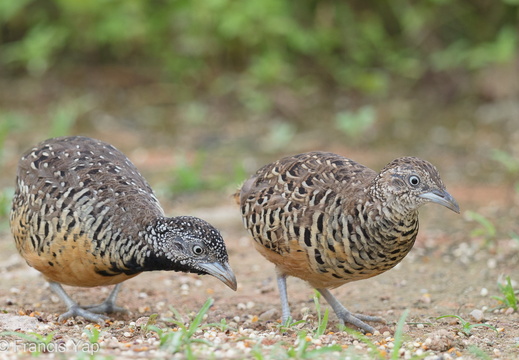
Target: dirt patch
445, 274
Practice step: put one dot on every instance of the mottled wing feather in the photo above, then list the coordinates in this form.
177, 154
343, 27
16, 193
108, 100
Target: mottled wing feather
69, 192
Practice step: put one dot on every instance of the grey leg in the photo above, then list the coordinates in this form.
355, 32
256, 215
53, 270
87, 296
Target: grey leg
347, 317
282, 287
73, 308
108, 306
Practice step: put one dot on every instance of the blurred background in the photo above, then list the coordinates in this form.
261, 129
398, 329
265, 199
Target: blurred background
201, 93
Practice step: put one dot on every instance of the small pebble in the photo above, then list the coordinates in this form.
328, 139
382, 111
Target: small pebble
476, 315
509, 311
142, 321
420, 326
268, 315
305, 311
425, 298
492, 263
483, 292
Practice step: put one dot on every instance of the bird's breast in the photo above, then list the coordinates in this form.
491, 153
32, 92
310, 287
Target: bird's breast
330, 247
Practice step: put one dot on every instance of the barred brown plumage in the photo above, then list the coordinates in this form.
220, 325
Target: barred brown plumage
83, 215
328, 220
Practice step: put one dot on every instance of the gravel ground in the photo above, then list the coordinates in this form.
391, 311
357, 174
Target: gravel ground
445, 274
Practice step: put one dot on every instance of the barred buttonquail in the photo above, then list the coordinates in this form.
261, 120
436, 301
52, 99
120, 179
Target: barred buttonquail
329, 220
83, 215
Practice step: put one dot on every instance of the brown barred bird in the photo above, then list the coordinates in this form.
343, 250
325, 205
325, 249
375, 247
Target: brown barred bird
83, 215
329, 220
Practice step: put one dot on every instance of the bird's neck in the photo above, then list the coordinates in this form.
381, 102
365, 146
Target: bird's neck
390, 221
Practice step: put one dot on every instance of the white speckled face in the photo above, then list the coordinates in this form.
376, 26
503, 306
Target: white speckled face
189, 239
403, 182
189, 244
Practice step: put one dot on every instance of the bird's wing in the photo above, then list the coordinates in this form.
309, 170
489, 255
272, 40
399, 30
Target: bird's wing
288, 201
99, 171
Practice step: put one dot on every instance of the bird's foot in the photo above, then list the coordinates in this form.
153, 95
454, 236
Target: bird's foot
370, 318
76, 310
358, 321
105, 307
287, 321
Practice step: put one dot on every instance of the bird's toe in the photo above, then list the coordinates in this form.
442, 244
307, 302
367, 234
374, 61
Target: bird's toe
86, 314
370, 318
357, 320
105, 308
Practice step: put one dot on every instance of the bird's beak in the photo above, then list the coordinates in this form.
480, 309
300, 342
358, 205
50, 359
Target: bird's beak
442, 197
222, 272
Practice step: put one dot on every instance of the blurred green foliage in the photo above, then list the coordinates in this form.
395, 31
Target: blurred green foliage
354, 123
486, 229
64, 114
192, 175
208, 43
6, 196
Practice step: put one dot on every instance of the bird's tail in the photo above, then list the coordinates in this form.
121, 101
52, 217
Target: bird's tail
236, 196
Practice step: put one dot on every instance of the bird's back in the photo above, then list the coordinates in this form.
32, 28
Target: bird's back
305, 215
78, 208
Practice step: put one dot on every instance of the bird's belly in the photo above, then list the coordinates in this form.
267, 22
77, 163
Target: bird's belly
296, 262
69, 262
68, 274
292, 263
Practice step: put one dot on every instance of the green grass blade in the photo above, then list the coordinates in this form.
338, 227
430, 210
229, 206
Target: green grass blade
323, 323
399, 335
195, 324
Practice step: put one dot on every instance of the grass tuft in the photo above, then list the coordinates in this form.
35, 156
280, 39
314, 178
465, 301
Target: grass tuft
466, 326
180, 339
322, 319
509, 298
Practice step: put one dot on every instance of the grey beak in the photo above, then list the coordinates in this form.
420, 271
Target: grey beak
442, 197
222, 272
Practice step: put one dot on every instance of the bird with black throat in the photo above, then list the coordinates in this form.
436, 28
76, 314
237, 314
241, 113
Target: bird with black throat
329, 220
84, 216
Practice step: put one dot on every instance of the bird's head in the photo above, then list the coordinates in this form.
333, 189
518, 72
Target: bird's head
190, 244
408, 183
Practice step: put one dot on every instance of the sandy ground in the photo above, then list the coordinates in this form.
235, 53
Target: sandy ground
447, 273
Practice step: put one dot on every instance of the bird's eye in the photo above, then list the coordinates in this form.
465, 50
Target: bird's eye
197, 250
414, 180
